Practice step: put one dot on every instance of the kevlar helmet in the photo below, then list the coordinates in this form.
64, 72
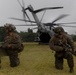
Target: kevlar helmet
9, 27
58, 30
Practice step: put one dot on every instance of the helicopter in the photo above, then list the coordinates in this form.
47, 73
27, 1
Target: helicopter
44, 30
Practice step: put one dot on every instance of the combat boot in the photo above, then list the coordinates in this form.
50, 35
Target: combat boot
71, 70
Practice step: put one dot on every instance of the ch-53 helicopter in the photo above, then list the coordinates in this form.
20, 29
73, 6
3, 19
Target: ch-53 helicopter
44, 32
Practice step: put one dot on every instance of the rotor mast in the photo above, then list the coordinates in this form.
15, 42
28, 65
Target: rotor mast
40, 25
34, 14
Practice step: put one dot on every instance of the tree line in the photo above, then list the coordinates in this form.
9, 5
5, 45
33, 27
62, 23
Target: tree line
28, 36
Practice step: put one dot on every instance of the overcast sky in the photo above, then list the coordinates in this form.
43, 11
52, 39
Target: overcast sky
11, 8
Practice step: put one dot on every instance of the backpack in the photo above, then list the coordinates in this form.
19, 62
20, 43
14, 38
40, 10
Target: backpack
20, 49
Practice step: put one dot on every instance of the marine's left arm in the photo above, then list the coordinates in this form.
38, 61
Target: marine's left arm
17, 42
70, 42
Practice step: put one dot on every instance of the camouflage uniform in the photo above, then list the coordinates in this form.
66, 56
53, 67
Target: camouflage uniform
60, 53
12, 43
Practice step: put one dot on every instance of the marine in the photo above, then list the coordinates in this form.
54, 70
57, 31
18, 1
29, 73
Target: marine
56, 43
12, 45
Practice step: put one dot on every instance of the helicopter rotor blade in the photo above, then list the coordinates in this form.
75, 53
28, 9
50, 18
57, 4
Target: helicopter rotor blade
34, 28
68, 23
67, 26
60, 24
24, 11
39, 10
22, 20
27, 16
19, 3
27, 25
50, 24
60, 17
22, 6
23, 3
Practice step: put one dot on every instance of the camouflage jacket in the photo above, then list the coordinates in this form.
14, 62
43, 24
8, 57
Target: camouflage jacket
14, 40
55, 41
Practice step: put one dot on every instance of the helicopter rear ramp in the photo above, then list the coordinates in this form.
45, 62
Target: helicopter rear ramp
44, 38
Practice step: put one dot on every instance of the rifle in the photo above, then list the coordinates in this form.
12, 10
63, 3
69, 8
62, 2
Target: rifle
68, 49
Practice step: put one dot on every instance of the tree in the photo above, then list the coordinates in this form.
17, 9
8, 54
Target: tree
28, 36
30, 30
73, 37
2, 34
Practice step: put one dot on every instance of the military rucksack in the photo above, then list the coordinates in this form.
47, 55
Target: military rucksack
20, 49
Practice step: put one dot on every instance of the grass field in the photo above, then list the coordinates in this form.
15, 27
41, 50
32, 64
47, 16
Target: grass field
35, 60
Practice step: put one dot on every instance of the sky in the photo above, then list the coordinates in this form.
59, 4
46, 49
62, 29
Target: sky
11, 8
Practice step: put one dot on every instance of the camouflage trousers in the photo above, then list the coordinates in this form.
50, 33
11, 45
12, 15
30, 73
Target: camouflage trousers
59, 60
13, 57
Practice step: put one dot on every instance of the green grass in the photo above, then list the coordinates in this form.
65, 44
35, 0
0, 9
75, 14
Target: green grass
35, 60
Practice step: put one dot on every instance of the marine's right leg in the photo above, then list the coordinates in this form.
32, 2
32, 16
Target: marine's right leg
59, 63
14, 60
70, 61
